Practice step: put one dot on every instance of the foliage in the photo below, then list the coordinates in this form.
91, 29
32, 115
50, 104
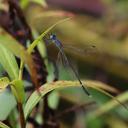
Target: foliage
98, 49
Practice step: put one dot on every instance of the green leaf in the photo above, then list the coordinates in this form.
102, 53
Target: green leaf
35, 97
111, 105
2, 125
7, 103
24, 3
18, 90
35, 42
53, 99
4, 81
18, 50
8, 62
41, 2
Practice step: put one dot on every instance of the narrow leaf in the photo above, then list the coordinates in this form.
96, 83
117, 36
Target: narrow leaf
4, 81
18, 90
112, 104
8, 62
35, 97
35, 42
18, 50
7, 104
2, 125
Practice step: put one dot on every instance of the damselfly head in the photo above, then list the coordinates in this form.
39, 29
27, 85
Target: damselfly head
52, 37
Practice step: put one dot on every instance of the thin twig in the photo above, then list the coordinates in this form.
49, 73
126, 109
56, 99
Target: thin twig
75, 108
22, 119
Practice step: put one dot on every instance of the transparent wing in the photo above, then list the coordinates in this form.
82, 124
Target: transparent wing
62, 58
66, 63
86, 50
59, 58
76, 75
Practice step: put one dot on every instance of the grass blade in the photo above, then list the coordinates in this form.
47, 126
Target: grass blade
2, 125
18, 50
44, 89
116, 101
8, 61
35, 42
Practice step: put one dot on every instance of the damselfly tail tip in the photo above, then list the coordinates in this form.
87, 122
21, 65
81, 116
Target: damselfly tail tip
86, 91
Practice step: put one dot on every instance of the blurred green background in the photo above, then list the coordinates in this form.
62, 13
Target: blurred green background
100, 23
96, 43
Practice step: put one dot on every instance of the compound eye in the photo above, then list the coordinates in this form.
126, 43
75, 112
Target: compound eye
53, 37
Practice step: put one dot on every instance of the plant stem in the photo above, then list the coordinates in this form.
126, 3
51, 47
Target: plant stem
22, 119
21, 69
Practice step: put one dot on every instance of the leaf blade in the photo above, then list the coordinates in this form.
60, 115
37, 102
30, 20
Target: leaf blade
36, 41
8, 62
111, 104
8, 106
4, 81
18, 90
2, 125
18, 50
35, 97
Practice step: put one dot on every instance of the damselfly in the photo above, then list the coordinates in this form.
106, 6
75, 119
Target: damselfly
53, 38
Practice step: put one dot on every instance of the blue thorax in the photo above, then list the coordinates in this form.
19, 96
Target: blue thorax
56, 41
